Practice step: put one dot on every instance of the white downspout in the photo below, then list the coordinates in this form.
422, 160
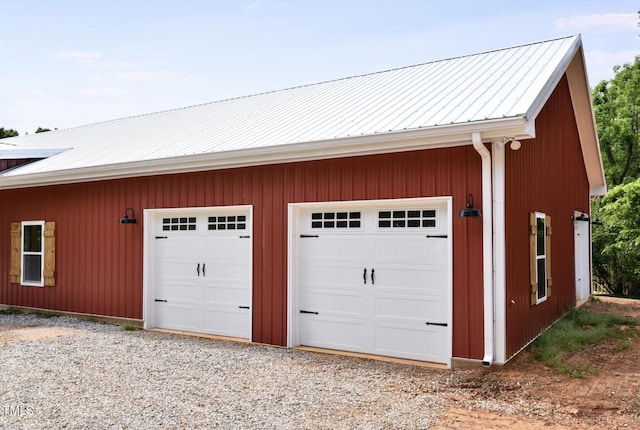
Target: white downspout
487, 247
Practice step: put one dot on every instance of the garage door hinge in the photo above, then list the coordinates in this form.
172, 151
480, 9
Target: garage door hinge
437, 236
440, 324
308, 312
308, 235
243, 307
162, 237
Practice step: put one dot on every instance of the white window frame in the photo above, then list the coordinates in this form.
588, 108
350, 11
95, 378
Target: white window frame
542, 283
23, 253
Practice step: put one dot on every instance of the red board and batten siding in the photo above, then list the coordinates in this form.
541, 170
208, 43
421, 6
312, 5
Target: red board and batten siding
547, 175
100, 263
8, 164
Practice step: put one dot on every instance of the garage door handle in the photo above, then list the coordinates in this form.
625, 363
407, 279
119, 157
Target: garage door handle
198, 269
373, 276
243, 307
437, 236
204, 273
439, 324
308, 312
364, 275
161, 300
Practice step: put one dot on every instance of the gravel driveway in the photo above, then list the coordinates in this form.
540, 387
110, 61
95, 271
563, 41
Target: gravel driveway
63, 372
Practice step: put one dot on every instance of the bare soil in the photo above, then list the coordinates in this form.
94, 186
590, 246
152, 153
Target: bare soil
538, 397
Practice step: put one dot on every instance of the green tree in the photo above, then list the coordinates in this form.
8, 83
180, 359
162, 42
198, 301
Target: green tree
616, 106
7, 132
42, 130
616, 243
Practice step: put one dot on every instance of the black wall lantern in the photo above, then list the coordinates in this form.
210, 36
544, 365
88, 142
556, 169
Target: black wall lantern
126, 219
469, 211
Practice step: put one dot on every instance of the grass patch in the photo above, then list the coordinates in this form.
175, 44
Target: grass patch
12, 311
578, 329
130, 328
46, 314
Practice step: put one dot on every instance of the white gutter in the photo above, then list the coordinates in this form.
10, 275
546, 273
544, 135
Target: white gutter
487, 247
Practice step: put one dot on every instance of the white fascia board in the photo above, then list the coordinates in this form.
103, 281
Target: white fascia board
402, 141
553, 80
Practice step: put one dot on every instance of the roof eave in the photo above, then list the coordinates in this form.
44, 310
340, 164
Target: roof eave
407, 140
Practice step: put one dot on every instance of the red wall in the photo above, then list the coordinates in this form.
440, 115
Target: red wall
8, 164
99, 262
547, 175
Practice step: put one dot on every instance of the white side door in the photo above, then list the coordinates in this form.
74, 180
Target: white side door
582, 242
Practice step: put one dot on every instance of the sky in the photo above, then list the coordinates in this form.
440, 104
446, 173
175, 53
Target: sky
68, 63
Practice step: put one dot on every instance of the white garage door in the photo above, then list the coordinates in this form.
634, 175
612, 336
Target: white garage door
202, 271
375, 279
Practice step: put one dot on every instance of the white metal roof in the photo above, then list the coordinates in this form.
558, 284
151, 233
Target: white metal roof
438, 102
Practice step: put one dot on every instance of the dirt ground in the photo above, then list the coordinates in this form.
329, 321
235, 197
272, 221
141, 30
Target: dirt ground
541, 398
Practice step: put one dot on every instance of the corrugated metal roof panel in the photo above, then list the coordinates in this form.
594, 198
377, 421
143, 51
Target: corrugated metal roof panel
487, 86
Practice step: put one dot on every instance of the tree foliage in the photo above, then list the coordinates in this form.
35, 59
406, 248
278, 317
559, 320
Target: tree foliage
616, 106
616, 243
42, 130
7, 132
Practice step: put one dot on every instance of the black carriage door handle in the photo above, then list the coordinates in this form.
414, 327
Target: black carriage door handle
364, 275
373, 276
204, 265
198, 269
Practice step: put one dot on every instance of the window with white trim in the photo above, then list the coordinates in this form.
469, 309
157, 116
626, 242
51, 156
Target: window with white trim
32, 253
540, 256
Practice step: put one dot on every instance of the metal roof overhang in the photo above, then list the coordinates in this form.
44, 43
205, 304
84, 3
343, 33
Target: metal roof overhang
24, 154
407, 140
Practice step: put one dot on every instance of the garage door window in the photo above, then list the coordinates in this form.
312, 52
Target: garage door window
407, 219
333, 220
179, 224
229, 222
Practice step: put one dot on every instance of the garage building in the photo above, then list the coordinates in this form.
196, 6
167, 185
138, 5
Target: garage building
437, 212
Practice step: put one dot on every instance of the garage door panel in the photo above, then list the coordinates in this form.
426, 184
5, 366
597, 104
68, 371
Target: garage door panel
418, 310
326, 275
229, 273
226, 321
333, 301
229, 293
415, 250
176, 292
330, 247
333, 333
179, 317
410, 342
411, 279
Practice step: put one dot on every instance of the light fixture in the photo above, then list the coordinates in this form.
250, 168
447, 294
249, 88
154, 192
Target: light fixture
469, 211
126, 220
582, 217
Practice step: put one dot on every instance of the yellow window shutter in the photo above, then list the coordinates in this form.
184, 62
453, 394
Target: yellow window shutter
16, 248
548, 255
49, 254
533, 280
